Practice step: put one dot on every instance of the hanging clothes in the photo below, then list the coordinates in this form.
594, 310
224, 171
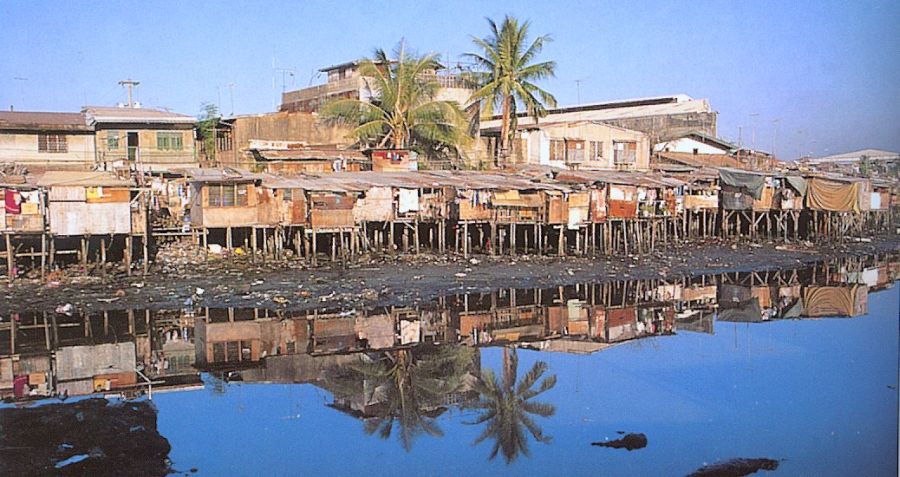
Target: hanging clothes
13, 202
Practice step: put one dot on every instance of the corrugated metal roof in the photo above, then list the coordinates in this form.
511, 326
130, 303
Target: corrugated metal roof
676, 104
855, 156
227, 174
45, 121
104, 114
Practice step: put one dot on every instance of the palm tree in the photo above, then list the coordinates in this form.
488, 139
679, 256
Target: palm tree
508, 75
407, 386
404, 112
507, 407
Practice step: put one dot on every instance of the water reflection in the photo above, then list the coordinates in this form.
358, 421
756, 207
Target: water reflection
508, 407
407, 389
398, 369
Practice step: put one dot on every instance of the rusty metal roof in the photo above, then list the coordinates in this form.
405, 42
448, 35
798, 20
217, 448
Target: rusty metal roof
43, 121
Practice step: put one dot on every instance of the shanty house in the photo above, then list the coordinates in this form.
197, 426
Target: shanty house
88, 203
24, 205
394, 160
142, 139
223, 198
46, 140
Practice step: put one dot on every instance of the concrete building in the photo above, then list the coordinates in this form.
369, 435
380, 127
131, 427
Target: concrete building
239, 139
44, 140
577, 145
659, 117
695, 143
875, 162
142, 139
344, 81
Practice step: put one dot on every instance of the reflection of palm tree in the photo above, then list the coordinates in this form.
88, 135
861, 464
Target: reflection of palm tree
406, 387
507, 407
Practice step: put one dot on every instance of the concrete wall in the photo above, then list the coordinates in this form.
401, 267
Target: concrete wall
670, 125
281, 126
148, 153
537, 143
22, 148
688, 145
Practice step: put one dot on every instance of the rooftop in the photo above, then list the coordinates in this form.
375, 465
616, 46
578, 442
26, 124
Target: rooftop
629, 108
855, 156
28, 120
106, 114
82, 178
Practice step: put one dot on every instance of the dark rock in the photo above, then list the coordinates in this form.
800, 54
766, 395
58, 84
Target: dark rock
735, 468
628, 441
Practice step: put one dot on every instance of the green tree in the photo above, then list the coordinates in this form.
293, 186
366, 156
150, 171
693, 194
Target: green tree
508, 75
404, 112
507, 406
408, 387
206, 128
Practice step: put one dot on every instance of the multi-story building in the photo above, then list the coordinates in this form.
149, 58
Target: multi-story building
41, 140
143, 139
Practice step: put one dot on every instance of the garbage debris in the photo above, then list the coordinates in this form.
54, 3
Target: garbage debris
66, 309
735, 468
629, 442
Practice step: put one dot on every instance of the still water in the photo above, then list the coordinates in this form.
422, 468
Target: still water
800, 366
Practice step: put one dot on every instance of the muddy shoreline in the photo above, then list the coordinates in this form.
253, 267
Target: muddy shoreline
400, 281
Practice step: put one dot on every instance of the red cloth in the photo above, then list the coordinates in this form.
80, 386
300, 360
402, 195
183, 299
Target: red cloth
13, 202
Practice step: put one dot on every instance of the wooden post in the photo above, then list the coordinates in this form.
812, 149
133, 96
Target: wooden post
43, 256
512, 238
126, 256
465, 239
253, 244
10, 262
561, 241
146, 242
315, 260
416, 234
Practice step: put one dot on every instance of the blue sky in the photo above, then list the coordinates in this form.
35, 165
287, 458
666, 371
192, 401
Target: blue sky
828, 72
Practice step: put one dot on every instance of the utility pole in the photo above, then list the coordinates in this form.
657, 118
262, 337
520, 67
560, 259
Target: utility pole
230, 87
774, 135
130, 84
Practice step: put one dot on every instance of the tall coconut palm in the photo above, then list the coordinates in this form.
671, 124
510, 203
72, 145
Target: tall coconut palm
508, 75
408, 386
507, 407
404, 112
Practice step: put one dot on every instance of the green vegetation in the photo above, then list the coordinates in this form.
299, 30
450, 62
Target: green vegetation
404, 112
508, 75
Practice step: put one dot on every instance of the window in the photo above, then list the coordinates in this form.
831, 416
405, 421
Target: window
596, 151
169, 141
557, 150
112, 140
286, 195
574, 150
52, 143
228, 195
625, 153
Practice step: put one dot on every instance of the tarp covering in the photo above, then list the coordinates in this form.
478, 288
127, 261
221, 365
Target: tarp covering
834, 301
797, 182
750, 181
833, 196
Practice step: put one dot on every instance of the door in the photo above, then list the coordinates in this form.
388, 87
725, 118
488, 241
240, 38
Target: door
132, 146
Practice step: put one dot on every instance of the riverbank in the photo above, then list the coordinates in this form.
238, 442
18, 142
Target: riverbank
382, 281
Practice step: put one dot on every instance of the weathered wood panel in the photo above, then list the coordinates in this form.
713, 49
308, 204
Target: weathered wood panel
81, 218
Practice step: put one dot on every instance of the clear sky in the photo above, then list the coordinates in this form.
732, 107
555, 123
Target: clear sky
825, 74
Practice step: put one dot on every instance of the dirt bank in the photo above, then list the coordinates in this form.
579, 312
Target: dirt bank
398, 280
